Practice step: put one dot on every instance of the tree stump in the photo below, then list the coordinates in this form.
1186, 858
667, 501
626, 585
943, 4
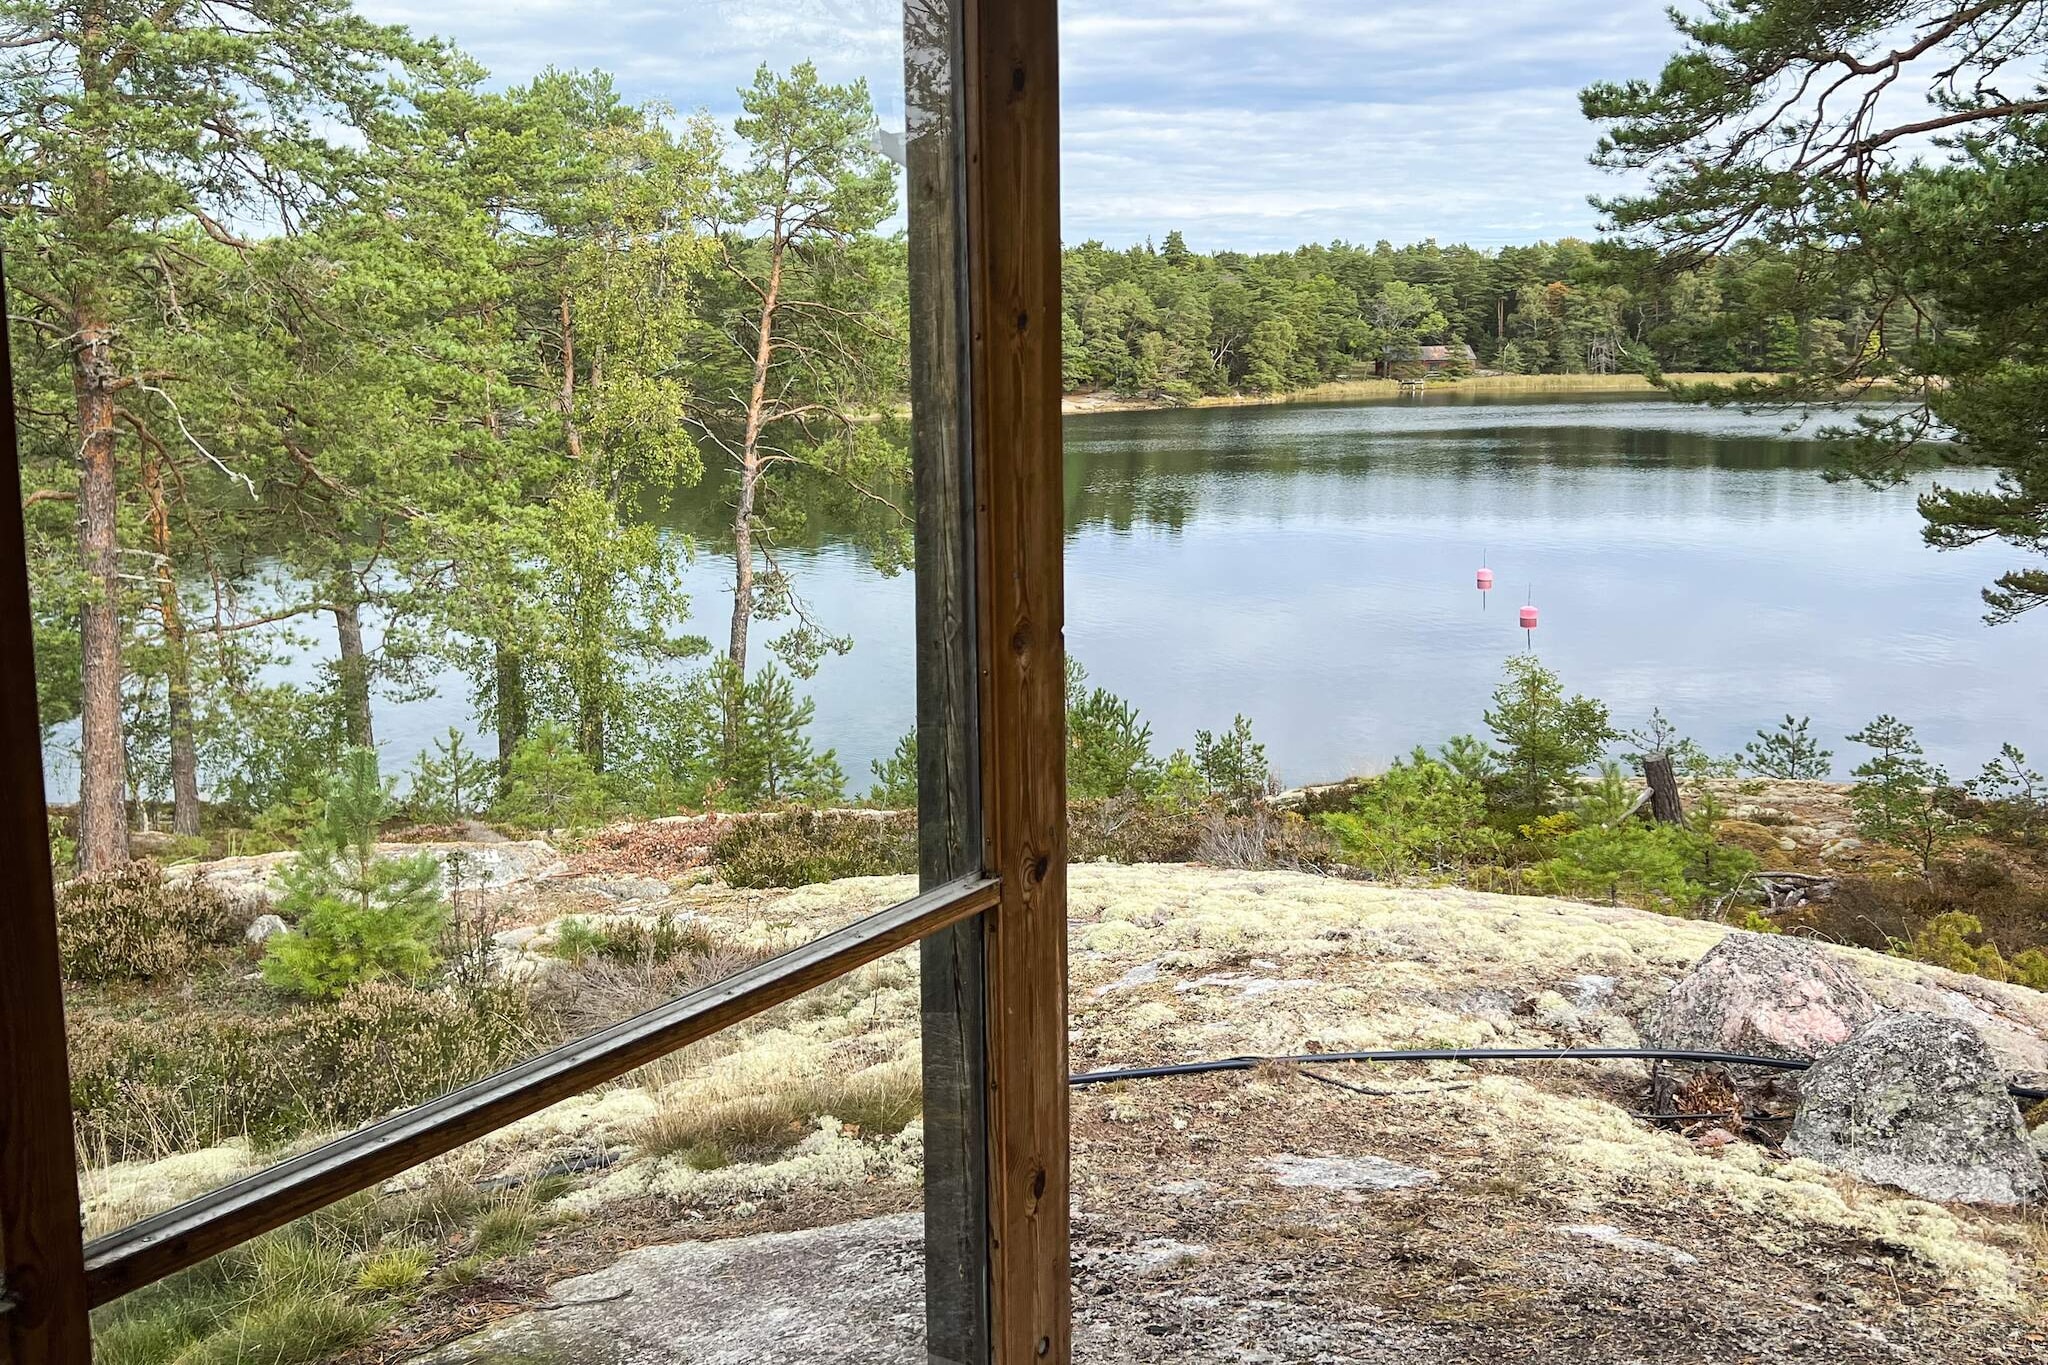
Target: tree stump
1666, 807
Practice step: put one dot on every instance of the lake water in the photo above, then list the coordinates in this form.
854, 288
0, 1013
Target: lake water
1312, 567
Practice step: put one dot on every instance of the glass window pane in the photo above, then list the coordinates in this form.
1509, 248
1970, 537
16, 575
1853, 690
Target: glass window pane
748, 1195
470, 541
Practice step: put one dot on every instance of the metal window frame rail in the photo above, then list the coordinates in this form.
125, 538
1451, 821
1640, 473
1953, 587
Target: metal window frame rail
992, 742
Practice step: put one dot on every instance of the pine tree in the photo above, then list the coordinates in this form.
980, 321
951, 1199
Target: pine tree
1546, 738
356, 916
815, 311
138, 133
1788, 752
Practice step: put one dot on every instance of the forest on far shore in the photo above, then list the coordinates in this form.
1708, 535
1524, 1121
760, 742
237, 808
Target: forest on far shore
1168, 322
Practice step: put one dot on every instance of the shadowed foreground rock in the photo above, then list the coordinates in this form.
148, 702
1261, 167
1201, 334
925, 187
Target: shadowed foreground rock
1918, 1102
1762, 994
846, 1295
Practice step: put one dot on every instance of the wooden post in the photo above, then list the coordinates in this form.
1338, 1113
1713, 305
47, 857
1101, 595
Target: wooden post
1666, 807
45, 1318
1013, 289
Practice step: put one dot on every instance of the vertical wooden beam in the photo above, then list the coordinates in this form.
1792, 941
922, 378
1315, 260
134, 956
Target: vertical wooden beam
45, 1318
1011, 88
951, 979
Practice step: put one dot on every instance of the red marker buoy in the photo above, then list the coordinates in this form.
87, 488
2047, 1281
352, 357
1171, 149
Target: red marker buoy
1486, 580
1528, 618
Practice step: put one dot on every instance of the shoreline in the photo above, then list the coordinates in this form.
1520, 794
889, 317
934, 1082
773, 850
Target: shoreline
1363, 390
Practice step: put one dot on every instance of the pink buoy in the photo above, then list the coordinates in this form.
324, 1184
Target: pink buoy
1528, 618
1485, 580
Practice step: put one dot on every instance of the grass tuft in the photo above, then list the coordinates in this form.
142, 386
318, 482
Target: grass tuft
396, 1270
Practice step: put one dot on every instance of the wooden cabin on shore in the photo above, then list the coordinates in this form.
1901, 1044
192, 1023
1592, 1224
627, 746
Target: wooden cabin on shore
1425, 362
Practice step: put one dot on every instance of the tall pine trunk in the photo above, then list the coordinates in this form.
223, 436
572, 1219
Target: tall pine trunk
102, 762
750, 477
185, 811
510, 705
352, 667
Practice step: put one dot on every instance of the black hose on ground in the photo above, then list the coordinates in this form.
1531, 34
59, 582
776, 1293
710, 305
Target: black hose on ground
2030, 1094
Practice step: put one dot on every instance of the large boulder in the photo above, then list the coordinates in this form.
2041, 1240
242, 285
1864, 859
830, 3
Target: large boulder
1764, 995
1919, 1102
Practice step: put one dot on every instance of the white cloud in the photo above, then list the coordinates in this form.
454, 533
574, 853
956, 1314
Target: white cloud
1246, 123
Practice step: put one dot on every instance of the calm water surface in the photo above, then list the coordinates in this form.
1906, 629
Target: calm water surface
1312, 566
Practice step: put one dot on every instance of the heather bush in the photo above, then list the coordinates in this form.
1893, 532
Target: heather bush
801, 846
142, 1086
632, 940
126, 924
1132, 829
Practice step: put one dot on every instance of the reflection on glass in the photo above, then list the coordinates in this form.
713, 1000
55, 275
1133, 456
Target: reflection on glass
764, 1177
424, 495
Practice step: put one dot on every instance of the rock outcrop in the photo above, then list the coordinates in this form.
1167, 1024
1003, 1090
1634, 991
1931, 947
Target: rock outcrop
1765, 995
1918, 1101
846, 1295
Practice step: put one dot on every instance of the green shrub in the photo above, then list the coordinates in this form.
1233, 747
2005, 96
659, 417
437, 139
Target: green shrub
356, 916
383, 1046
632, 941
798, 847
1614, 855
1956, 941
126, 924
1421, 817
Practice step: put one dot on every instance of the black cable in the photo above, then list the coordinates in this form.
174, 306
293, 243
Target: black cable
1476, 1054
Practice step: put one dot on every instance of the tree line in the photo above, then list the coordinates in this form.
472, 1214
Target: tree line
318, 333
315, 333
1177, 324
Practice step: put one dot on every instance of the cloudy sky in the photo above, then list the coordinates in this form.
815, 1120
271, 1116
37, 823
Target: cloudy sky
1245, 123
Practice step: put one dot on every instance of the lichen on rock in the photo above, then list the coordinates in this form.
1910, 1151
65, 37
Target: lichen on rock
1918, 1101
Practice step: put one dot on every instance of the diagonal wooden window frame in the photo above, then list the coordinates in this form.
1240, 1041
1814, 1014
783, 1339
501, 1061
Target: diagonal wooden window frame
991, 695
